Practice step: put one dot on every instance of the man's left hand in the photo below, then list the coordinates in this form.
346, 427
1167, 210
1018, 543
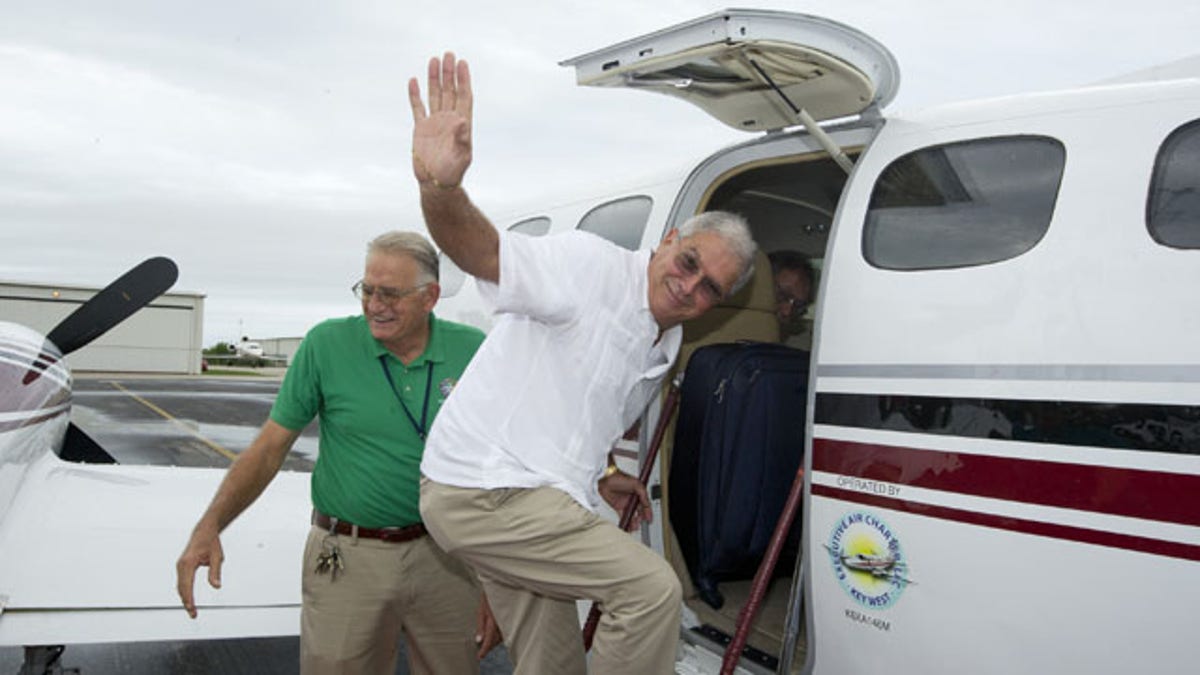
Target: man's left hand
619, 490
487, 633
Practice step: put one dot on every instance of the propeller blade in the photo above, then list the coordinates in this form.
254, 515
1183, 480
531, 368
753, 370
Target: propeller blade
129, 293
79, 447
112, 305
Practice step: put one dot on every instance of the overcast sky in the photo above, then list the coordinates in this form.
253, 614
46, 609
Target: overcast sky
260, 144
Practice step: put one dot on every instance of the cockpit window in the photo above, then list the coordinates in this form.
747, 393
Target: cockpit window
620, 221
534, 227
961, 204
1173, 207
452, 278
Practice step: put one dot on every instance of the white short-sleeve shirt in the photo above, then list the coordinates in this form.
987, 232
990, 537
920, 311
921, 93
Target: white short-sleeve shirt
570, 364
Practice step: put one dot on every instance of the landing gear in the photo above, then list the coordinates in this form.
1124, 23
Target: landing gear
44, 660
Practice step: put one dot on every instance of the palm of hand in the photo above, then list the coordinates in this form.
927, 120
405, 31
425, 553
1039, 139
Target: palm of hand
442, 147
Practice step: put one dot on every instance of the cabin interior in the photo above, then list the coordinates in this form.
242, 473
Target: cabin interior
789, 203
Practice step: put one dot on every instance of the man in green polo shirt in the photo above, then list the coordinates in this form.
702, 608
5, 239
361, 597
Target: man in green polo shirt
376, 381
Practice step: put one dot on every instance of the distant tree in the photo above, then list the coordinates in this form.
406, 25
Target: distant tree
220, 348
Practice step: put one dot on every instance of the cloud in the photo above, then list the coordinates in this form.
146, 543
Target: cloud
262, 144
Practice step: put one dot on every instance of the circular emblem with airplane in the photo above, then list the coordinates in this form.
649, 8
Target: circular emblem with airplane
868, 560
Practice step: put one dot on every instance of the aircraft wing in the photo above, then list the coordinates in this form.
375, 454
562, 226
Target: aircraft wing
89, 551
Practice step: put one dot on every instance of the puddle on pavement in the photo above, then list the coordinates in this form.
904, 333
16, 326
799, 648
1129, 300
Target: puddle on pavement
178, 442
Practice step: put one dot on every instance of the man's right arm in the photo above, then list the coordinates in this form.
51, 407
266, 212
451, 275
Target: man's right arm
462, 231
441, 154
249, 475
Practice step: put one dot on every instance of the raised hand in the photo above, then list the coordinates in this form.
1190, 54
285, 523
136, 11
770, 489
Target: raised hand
442, 136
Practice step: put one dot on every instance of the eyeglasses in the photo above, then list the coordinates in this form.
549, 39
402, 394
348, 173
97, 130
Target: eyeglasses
796, 306
384, 294
689, 263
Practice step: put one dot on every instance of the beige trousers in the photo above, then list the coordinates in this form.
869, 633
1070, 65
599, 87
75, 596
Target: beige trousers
536, 551
352, 624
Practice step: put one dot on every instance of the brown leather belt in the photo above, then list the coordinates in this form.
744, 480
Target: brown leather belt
395, 535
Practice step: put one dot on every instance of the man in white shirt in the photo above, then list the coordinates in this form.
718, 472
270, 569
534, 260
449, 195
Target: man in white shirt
516, 463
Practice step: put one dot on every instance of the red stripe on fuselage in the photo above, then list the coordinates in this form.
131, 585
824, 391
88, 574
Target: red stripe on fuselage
1128, 542
1136, 493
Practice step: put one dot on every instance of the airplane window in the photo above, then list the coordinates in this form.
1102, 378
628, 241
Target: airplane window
450, 277
1173, 209
534, 227
962, 204
621, 221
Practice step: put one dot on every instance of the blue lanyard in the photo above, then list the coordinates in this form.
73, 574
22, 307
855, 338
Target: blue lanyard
420, 428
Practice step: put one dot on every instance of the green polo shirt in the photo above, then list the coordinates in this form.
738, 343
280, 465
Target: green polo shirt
369, 459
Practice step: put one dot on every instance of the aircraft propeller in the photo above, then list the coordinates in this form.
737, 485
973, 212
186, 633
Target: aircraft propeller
115, 303
112, 305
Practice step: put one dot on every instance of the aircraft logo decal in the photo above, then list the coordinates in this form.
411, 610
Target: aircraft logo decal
868, 560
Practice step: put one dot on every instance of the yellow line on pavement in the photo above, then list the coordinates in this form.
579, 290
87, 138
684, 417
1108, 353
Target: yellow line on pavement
170, 418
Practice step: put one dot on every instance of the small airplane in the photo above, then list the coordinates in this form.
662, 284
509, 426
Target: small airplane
875, 565
1004, 371
1003, 286
89, 546
247, 348
879, 565
872, 563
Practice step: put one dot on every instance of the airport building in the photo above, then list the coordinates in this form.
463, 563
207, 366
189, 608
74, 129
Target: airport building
281, 347
163, 337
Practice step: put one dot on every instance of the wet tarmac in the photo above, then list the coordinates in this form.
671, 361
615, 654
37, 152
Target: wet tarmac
196, 422
186, 421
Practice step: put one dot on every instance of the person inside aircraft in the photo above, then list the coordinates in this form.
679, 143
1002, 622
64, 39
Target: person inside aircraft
377, 382
518, 461
794, 286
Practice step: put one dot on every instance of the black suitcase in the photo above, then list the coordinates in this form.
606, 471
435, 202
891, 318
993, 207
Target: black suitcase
739, 441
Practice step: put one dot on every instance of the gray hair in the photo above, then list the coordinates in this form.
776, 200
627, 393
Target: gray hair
733, 229
412, 245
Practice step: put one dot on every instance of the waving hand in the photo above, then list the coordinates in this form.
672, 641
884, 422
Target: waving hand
442, 135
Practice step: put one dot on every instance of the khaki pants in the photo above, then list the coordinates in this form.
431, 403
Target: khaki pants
352, 624
536, 551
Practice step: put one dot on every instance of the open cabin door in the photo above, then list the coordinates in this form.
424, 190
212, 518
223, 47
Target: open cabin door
726, 63
753, 70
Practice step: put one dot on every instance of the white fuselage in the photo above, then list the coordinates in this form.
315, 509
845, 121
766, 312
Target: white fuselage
88, 550
35, 404
1016, 440
1038, 536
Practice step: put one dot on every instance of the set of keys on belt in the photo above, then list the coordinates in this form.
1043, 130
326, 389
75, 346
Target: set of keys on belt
330, 559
